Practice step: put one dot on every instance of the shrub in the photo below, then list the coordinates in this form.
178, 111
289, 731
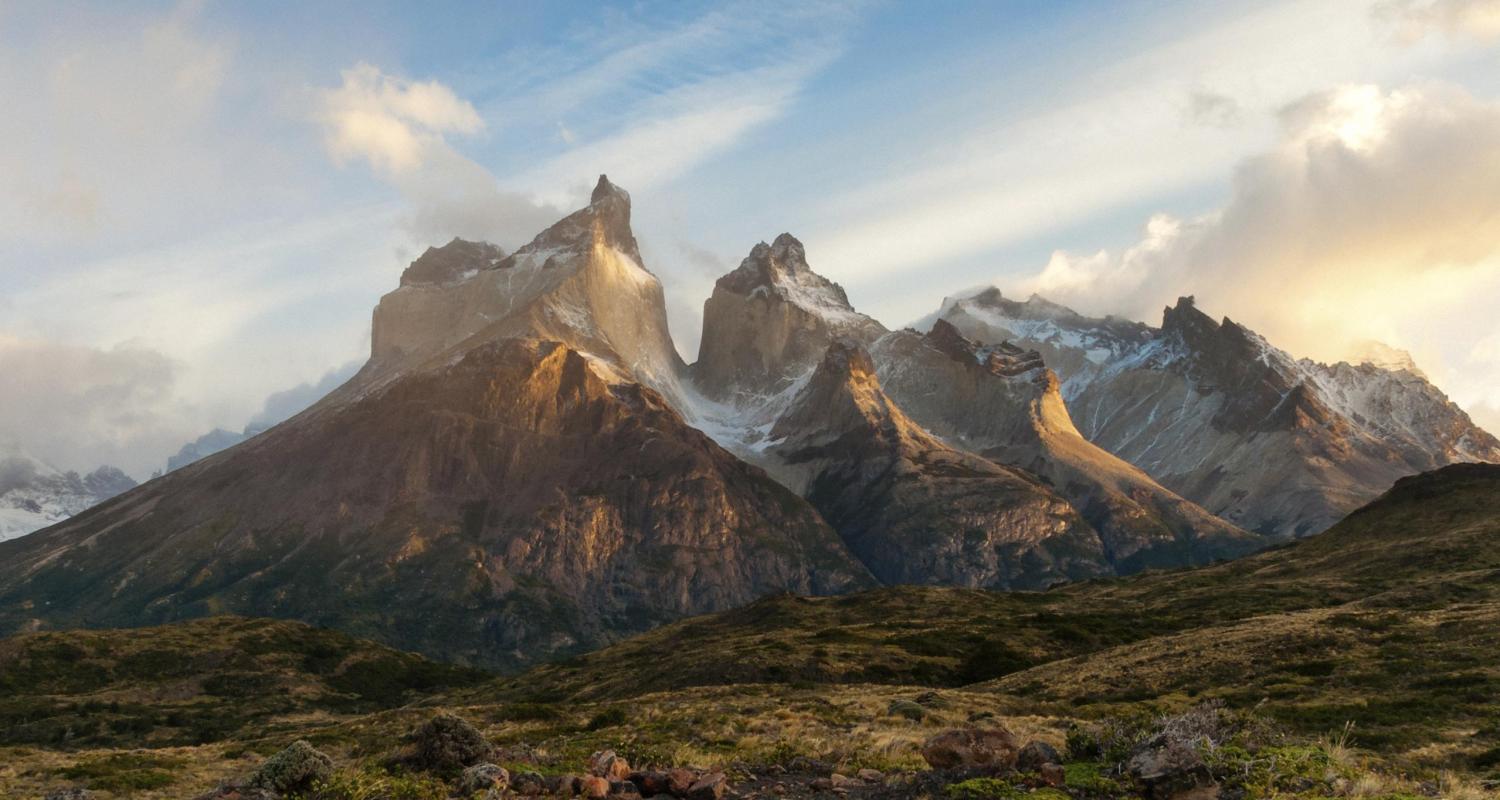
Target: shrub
608, 718
299, 766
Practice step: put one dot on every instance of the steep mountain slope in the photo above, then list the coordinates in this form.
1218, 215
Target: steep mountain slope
33, 495
912, 508
1004, 404
1216, 413
502, 493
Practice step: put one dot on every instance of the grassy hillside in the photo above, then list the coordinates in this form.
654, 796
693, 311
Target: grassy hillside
1368, 650
1387, 622
197, 682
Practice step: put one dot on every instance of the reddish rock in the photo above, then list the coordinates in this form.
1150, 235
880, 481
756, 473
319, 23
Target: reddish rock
651, 783
680, 780
987, 749
607, 765
709, 786
593, 786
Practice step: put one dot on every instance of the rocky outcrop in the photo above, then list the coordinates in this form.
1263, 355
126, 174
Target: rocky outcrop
1281, 446
1004, 403
913, 509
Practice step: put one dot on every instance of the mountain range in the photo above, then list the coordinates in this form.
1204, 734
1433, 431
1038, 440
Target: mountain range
525, 468
33, 494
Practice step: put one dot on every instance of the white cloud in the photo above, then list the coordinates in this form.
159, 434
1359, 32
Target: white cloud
83, 406
1375, 217
391, 122
1411, 21
400, 128
1096, 142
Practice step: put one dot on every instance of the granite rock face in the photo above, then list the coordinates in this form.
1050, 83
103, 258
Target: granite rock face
914, 509
1004, 403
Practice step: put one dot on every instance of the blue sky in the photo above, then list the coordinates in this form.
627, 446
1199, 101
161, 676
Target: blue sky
206, 199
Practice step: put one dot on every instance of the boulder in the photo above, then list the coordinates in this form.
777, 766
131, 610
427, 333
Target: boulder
1053, 775
1035, 754
985, 749
593, 786
447, 742
680, 780
870, 776
528, 783
624, 789
651, 783
709, 786
840, 781
564, 785
483, 777
1172, 770
296, 767
609, 766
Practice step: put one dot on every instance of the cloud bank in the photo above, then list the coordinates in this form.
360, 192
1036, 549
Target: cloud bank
81, 406
1376, 216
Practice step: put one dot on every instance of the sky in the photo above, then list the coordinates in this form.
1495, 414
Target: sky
202, 202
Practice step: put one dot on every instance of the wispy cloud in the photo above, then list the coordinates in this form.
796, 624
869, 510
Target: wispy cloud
1098, 142
648, 102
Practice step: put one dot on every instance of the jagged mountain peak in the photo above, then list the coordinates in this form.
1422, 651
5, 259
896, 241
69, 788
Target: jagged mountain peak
770, 320
457, 260
581, 281
1004, 359
781, 267
607, 192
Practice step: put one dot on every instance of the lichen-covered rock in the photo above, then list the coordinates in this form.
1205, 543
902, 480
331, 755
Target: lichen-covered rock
528, 783
483, 777
1172, 770
1035, 755
986, 749
447, 742
298, 766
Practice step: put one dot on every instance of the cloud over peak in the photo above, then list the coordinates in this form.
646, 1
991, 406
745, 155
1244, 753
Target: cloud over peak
1374, 215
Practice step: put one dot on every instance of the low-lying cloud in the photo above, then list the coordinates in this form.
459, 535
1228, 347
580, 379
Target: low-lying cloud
82, 406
